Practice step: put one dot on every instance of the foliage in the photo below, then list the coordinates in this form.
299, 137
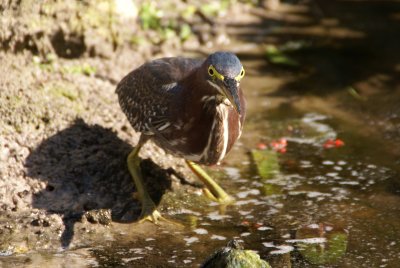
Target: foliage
267, 165
322, 254
266, 162
279, 57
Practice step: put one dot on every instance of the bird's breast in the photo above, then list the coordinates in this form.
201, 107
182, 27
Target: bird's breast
217, 132
206, 136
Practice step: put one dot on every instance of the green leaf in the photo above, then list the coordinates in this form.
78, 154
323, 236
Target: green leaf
185, 32
278, 57
322, 253
266, 162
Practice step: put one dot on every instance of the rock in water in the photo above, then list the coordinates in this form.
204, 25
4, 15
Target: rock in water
234, 256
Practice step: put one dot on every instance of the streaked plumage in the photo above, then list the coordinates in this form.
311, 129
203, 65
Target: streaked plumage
174, 102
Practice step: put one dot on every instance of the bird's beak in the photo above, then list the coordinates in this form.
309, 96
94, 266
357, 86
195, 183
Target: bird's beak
230, 88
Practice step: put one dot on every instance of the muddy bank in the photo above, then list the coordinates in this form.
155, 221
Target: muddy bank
64, 139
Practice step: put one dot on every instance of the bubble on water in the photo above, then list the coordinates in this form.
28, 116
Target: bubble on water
312, 119
257, 184
328, 228
132, 259
126, 260
283, 249
137, 250
328, 163
264, 228
313, 226
244, 194
244, 213
215, 216
185, 211
249, 201
149, 239
187, 261
306, 164
268, 244
245, 234
338, 168
341, 162
190, 240
349, 183
313, 240
233, 173
218, 237
200, 231
286, 236
272, 211
311, 194
332, 174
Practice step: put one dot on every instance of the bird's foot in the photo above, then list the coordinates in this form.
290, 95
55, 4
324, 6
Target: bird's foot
151, 214
224, 199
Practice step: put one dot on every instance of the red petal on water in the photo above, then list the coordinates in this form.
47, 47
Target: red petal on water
246, 223
330, 143
279, 145
261, 146
339, 143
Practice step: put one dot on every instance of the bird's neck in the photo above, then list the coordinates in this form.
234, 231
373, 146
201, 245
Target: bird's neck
200, 96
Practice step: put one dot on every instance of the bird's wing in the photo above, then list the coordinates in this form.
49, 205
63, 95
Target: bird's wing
146, 94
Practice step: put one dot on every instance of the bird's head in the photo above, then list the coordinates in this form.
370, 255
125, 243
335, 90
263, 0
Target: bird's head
224, 72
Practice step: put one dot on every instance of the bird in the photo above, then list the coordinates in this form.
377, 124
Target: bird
191, 108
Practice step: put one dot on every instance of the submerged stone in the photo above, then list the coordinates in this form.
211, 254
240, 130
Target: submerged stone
234, 256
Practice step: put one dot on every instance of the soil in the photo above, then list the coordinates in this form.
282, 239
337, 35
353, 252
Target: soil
64, 140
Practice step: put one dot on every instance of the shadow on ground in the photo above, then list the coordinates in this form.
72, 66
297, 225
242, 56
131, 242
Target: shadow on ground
84, 168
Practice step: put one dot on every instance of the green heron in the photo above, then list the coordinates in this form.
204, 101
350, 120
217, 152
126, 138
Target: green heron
191, 108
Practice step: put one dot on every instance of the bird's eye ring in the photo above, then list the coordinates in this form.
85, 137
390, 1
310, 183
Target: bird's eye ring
240, 75
210, 71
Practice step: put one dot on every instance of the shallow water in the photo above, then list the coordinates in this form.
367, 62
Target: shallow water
313, 207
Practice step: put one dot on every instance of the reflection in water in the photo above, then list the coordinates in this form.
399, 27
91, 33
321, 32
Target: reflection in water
307, 207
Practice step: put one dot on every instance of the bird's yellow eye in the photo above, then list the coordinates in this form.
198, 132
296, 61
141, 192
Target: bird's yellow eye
240, 75
214, 73
210, 71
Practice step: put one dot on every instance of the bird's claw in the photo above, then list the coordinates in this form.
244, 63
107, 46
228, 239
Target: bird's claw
152, 216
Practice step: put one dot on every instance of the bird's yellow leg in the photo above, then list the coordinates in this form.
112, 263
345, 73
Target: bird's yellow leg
149, 209
213, 190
